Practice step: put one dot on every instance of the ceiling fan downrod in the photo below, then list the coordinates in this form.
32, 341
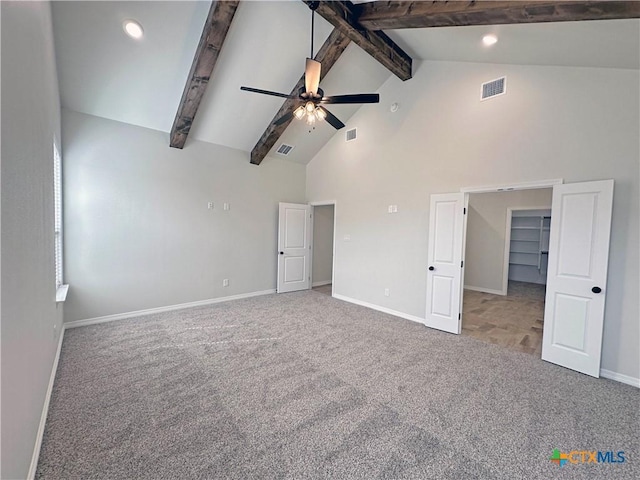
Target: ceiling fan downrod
313, 6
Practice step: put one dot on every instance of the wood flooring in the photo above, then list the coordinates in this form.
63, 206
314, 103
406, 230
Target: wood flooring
514, 321
326, 289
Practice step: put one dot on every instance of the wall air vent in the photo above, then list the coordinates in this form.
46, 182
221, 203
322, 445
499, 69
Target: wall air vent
351, 135
494, 88
284, 149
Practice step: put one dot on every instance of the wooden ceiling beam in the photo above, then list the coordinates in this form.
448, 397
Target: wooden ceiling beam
330, 51
341, 15
398, 14
213, 35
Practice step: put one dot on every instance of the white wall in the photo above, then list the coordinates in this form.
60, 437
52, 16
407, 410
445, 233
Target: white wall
322, 244
574, 123
31, 320
486, 230
138, 233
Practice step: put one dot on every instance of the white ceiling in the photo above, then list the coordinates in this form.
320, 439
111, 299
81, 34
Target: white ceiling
604, 43
105, 73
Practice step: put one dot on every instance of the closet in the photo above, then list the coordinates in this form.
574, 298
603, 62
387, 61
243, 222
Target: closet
529, 246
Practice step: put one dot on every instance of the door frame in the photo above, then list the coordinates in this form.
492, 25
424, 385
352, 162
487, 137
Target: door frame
313, 242
533, 185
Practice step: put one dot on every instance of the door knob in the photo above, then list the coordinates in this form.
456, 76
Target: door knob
432, 268
281, 253
596, 289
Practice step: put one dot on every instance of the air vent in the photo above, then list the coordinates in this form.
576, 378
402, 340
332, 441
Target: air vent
284, 149
351, 135
494, 88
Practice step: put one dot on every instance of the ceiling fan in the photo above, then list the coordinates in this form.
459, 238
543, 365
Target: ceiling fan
311, 96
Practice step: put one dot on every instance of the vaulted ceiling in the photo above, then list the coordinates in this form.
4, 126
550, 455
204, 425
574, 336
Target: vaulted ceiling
105, 73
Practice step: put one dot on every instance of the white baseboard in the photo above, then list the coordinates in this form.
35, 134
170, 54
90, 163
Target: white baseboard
45, 410
484, 290
319, 284
151, 311
619, 377
372, 306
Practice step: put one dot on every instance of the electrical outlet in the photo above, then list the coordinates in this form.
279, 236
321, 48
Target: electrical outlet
225, 282
390, 209
210, 205
386, 292
227, 206
395, 208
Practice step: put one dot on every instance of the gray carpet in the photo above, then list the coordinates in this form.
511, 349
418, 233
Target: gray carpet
302, 385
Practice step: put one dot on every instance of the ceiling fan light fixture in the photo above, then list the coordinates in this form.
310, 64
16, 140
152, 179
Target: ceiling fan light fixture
320, 114
299, 112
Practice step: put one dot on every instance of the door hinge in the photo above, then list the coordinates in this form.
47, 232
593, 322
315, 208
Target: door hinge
461, 263
459, 316
464, 210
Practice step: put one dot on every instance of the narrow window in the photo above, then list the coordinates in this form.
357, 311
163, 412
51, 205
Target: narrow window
57, 205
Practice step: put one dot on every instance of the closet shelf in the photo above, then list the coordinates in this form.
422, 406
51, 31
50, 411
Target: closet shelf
529, 246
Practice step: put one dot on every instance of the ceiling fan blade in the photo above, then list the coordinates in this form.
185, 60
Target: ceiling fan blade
267, 92
355, 98
283, 119
332, 119
312, 76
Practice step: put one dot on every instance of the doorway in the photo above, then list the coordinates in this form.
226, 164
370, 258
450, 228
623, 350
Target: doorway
507, 246
323, 248
577, 268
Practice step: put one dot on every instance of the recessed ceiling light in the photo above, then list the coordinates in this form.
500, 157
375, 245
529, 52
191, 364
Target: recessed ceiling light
133, 29
489, 40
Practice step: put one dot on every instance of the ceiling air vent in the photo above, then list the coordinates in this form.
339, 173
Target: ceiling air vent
351, 135
494, 88
284, 149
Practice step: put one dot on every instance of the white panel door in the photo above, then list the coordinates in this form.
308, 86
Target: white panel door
294, 251
577, 275
444, 275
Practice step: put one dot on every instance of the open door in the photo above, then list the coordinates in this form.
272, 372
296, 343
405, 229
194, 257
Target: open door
294, 250
577, 275
445, 255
